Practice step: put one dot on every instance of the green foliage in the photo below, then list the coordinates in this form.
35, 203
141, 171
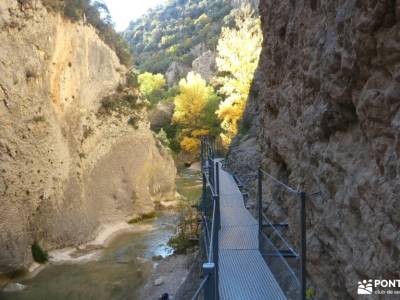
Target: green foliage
124, 102
163, 138
172, 132
132, 80
188, 228
181, 243
168, 33
310, 294
38, 254
152, 86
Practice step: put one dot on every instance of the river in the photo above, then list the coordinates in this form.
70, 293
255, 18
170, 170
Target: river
122, 268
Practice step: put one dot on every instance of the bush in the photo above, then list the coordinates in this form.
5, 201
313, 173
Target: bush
181, 243
188, 229
123, 102
132, 80
38, 119
142, 217
134, 122
162, 137
38, 254
54, 5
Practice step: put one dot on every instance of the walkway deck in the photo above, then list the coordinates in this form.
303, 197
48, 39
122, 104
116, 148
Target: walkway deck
243, 273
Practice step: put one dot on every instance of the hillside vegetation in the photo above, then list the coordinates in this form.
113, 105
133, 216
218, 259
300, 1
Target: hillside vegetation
169, 33
199, 107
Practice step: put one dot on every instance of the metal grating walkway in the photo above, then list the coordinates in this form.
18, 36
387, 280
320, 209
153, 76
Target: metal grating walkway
243, 273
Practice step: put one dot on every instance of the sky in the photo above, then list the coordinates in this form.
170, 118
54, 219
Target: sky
124, 11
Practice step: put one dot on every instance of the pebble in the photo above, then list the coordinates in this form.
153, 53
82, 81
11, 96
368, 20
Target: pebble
157, 258
14, 287
158, 281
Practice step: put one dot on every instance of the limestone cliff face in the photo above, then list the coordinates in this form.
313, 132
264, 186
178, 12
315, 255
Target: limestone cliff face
205, 65
327, 99
65, 169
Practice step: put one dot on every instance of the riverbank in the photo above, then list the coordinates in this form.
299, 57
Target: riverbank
122, 262
169, 275
84, 253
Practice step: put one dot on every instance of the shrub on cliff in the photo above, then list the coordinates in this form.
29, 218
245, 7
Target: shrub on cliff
38, 254
163, 138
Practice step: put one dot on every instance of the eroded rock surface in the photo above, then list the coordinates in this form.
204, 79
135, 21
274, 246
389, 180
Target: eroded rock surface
328, 105
175, 72
205, 65
65, 169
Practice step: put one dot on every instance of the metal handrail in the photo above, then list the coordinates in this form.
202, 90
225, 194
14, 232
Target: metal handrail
303, 241
209, 185
201, 287
210, 200
284, 260
278, 234
292, 190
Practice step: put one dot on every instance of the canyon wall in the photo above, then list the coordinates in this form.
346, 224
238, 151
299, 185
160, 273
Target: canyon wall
65, 167
324, 115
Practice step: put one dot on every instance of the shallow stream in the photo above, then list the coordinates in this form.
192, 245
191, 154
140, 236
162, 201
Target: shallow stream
123, 267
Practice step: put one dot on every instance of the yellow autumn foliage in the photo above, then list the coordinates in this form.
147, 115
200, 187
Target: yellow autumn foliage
200, 132
191, 101
191, 114
190, 144
237, 58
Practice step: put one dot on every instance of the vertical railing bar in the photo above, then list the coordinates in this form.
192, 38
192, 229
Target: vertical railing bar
260, 211
303, 244
218, 226
202, 154
209, 288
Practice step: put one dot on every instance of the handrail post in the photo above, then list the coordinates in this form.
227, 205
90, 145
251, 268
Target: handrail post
260, 220
218, 223
202, 154
218, 196
204, 190
212, 172
209, 288
303, 245
213, 146
216, 247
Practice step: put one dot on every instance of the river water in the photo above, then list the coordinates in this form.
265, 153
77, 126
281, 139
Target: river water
123, 267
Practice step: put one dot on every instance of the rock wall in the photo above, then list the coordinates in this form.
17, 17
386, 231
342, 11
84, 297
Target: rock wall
205, 65
65, 169
327, 99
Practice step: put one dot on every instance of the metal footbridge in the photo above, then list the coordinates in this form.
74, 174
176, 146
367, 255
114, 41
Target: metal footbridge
246, 259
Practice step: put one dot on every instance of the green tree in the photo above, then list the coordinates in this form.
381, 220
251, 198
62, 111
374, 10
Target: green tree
152, 38
152, 86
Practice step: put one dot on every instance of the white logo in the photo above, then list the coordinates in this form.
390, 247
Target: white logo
365, 287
